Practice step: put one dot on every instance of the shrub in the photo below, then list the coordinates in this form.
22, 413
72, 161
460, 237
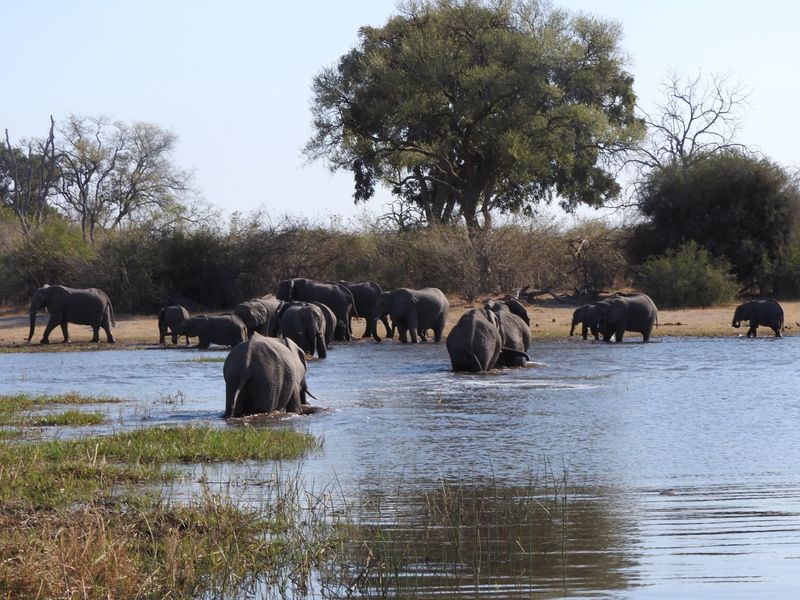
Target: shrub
687, 277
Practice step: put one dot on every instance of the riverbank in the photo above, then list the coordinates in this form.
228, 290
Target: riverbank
549, 319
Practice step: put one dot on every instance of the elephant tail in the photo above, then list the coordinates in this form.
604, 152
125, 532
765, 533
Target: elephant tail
111, 320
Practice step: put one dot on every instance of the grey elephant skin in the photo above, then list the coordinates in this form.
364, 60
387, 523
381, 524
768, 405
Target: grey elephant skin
81, 306
474, 343
330, 321
304, 324
337, 297
413, 312
365, 298
587, 316
766, 312
264, 375
223, 330
169, 318
621, 313
259, 315
515, 334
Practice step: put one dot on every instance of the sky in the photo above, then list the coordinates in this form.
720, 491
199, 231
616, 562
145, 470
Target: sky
233, 79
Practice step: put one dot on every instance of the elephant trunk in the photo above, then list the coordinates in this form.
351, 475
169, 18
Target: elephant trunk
375, 318
33, 325
736, 323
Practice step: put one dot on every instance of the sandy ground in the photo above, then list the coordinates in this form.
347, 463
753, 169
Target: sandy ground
549, 319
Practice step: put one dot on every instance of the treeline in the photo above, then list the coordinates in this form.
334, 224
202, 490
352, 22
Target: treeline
215, 267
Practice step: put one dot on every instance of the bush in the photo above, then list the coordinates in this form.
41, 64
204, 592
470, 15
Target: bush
687, 277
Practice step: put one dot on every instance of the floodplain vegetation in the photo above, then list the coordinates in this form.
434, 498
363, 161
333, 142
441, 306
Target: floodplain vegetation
93, 517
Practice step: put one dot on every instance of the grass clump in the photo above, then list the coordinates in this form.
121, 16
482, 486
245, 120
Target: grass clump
73, 418
13, 405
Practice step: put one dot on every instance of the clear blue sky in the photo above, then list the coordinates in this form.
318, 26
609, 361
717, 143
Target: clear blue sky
233, 79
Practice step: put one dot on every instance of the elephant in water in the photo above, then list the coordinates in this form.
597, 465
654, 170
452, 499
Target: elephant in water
88, 306
474, 343
169, 318
223, 330
765, 312
365, 297
304, 324
515, 333
413, 312
588, 316
264, 375
618, 314
259, 315
337, 297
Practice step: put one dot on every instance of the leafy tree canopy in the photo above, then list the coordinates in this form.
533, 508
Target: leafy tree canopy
465, 106
739, 207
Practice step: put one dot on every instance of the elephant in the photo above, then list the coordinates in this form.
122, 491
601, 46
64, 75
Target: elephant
633, 312
87, 306
330, 321
516, 307
259, 315
765, 312
515, 334
588, 316
169, 318
304, 324
475, 342
335, 296
413, 312
223, 330
264, 375
365, 296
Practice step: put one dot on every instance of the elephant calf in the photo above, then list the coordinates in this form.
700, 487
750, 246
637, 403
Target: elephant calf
223, 330
264, 375
169, 318
765, 312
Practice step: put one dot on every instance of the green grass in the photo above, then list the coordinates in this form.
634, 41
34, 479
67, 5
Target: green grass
207, 359
13, 405
73, 418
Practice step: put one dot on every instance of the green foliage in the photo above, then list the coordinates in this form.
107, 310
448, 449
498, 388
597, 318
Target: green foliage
740, 208
688, 277
464, 106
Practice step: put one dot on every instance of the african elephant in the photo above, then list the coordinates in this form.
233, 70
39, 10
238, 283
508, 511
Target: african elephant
223, 330
169, 318
516, 307
515, 333
259, 315
304, 324
475, 342
618, 314
263, 375
765, 312
587, 315
330, 321
365, 297
88, 306
413, 312
335, 296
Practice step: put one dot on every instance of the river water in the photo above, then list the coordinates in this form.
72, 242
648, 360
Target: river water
673, 466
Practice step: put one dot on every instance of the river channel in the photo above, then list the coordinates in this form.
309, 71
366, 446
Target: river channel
678, 460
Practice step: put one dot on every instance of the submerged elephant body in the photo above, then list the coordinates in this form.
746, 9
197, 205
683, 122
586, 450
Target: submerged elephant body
621, 313
223, 330
474, 343
264, 375
765, 312
413, 312
81, 306
169, 318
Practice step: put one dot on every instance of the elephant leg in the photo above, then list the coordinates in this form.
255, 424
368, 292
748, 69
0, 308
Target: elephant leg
51, 324
65, 331
175, 338
619, 333
401, 333
294, 404
203, 342
95, 333
322, 351
584, 331
752, 332
413, 328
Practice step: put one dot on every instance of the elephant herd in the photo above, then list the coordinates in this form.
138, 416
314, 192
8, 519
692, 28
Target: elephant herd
271, 336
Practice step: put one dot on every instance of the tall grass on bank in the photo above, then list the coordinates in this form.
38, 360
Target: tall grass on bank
12, 407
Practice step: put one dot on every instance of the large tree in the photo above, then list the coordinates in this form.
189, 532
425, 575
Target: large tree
464, 106
740, 208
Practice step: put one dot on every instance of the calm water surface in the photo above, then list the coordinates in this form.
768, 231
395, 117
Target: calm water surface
681, 456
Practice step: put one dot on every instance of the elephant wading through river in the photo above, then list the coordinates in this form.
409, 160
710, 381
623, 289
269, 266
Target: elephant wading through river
588, 316
475, 342
88, 306
304, 324
412, 312
365, 298
618, 314
259, 315
223, 330
169, 318
765, 312
515, 333
264, 375
337, 297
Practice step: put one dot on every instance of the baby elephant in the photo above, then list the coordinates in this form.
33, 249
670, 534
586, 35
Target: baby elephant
169, 318
760, 312
264, 375
224, 330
